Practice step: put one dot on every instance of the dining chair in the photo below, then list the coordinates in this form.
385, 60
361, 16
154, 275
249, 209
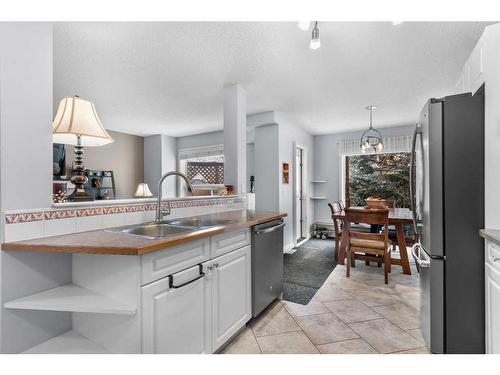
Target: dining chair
372, 247
336, 207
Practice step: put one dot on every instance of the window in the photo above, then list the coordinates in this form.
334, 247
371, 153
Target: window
204, 168
385, 176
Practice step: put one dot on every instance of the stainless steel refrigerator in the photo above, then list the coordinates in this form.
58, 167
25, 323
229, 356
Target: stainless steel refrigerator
447, 186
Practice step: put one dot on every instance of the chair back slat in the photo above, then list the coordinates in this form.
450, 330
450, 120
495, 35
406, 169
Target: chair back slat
367, 216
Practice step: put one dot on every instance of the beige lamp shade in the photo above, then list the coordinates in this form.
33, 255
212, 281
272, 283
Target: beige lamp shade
143, 190
76, 116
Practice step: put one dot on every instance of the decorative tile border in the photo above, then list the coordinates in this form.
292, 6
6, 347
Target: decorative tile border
24, 217
54, 214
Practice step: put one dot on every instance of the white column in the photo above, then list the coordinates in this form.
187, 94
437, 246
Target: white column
235, 111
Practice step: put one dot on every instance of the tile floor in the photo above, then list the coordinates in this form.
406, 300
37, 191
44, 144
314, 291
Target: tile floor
359, 315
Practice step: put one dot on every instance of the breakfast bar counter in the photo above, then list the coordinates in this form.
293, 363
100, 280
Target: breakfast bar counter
114, 243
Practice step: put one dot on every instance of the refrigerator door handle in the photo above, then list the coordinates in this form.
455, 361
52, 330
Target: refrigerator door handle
417, 131
416, 249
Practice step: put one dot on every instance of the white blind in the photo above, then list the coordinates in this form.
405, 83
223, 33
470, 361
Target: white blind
199, 152
391, 145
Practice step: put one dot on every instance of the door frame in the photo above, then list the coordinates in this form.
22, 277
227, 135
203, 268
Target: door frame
305, 218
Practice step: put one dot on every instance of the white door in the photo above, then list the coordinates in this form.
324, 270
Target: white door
176, 313
231, 294
492, 310
299, 194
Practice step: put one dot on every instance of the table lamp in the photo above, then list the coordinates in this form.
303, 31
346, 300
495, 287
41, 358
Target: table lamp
143, 191
76, 123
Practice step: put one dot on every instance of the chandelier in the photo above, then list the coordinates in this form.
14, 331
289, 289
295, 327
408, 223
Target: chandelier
371, 138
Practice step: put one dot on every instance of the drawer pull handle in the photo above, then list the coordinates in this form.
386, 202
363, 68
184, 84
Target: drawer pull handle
494, 258
171, 279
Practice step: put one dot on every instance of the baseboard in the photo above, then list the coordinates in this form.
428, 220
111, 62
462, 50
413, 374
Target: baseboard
288, 247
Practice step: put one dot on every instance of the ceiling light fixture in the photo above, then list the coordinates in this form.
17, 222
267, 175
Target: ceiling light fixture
304, 25
371, 138
315, 42
395, 23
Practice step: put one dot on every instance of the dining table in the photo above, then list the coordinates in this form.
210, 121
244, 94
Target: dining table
397, 217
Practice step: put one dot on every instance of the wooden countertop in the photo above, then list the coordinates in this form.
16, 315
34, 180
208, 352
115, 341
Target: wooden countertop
113, 243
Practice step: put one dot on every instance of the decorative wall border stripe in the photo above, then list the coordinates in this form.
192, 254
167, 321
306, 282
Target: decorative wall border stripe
54, 214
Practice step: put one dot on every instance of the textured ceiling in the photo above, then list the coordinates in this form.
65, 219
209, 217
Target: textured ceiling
167, 77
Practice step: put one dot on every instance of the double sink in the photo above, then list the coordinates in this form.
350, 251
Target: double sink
170, 228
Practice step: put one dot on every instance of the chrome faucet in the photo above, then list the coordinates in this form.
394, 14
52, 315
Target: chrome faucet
159, 211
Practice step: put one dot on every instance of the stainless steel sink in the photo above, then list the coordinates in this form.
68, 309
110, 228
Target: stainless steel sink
194, 222
153, 230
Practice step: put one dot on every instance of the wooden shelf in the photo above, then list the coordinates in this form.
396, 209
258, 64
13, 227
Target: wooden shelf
68, 343
317, 181
71, 298
318, 198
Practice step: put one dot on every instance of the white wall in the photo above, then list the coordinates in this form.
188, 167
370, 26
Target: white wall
327, 166
290, 136
26, 178
267, 168
250, 163
200, 140
160, 157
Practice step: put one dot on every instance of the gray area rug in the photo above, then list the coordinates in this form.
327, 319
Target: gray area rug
307, 269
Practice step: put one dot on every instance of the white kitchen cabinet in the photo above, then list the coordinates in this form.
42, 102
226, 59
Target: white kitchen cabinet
231, 294
492, 291
177, 319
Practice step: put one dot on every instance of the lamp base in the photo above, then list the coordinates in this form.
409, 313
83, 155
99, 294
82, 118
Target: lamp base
80, 195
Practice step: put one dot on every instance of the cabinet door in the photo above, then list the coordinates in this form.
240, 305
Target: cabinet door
492, 310
231, 294
177, 320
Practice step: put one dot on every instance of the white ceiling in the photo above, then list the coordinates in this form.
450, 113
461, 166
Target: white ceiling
167, 77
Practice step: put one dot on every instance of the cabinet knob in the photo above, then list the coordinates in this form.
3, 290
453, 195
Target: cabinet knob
494, 258
216, 265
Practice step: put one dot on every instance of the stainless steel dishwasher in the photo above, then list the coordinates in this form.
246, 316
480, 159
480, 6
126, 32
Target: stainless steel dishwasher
267, 264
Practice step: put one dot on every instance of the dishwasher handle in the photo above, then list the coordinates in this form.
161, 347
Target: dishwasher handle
270, 229
171, 279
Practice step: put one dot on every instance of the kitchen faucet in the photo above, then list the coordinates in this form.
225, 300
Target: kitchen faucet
159, 211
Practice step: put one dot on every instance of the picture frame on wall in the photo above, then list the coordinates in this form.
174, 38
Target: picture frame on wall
285, 173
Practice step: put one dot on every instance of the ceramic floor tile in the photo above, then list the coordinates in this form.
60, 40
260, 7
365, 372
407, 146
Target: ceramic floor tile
400, 314
422, 350
411, 299
313, 307
417, 333
244, 343
330, 292
287, 343
351, 310
325, 328
372, 297
384, 336
348, 283
396, 288
273, 320
354, 346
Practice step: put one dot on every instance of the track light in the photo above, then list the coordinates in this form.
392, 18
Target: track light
315, 42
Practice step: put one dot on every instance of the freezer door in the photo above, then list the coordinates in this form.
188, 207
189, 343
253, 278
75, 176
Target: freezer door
431, 299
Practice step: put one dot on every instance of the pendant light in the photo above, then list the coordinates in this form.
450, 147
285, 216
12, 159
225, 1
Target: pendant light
315, 42
371, 138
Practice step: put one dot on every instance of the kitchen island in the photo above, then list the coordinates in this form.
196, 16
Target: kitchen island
187, 293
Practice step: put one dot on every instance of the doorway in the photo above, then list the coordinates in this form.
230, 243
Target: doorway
299, 201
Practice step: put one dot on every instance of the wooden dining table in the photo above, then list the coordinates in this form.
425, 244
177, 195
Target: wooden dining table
397, 217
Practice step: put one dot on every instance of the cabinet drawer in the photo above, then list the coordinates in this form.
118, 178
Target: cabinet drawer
493, 255
162, 263
228, 241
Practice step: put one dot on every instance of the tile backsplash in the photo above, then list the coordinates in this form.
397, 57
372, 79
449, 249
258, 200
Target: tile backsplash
26, 224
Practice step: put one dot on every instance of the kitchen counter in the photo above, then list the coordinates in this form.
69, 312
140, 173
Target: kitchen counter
113, 243
492, 235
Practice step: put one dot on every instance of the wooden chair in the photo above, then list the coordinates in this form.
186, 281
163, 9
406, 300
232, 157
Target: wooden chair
372, 247
335, 208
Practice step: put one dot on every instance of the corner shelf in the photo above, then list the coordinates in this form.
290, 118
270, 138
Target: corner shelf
318, 181
68, 343
318, 198
72, 298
